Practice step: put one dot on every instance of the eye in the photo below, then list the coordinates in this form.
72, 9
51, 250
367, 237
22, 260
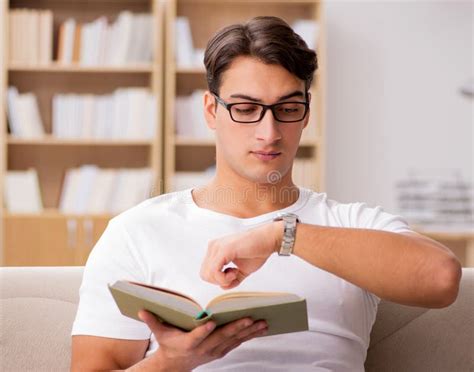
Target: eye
290, 108
245, 109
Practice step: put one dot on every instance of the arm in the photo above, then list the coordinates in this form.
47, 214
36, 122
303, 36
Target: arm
179, 351
91, 353
407, 268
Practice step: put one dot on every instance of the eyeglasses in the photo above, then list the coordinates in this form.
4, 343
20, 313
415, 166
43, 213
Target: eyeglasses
250, 112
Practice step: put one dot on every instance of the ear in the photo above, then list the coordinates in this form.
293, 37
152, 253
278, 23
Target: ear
210, 110
306, 120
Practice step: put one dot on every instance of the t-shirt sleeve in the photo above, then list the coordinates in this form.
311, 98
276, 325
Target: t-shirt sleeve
360, 215
111, 259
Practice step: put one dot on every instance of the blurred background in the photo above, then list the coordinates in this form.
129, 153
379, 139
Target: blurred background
101, 108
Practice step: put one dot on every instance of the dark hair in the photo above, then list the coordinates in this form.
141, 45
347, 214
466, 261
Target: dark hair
269, 39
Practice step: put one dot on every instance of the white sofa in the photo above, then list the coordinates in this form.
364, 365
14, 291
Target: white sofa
38, 306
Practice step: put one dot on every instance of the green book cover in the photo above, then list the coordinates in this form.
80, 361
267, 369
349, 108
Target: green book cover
284, 312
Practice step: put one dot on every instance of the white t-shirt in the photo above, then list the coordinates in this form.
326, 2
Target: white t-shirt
163, 241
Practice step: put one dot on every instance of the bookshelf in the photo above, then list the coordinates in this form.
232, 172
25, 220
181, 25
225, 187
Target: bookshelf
49, 140
56, 238
184, 154
58, 68
52, 237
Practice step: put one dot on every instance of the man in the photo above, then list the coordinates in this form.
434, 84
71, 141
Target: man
342, 257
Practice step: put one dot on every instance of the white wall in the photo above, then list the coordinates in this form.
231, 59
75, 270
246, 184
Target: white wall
394, 72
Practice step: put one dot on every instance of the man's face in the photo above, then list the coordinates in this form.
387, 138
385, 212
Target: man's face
262, 151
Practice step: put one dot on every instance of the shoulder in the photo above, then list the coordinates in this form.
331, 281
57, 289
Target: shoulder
156, 208
355, 214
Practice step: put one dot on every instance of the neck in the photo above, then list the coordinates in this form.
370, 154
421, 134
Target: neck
239, 197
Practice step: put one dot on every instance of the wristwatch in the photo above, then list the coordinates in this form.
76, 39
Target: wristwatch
289, 232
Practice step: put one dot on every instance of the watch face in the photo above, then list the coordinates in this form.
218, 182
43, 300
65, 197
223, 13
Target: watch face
287, 215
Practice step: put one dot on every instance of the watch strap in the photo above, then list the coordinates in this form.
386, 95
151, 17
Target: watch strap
290, 221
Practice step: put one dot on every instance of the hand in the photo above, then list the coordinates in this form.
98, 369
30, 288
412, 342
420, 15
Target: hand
248, 251
181, 351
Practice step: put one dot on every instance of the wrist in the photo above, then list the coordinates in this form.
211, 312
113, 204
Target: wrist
277, 233
164, 364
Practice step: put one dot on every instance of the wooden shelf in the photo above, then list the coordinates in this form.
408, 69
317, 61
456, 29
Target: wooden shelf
52, 141
44, 238
165, 155
61, 68
55, 213
187, 141
190, 70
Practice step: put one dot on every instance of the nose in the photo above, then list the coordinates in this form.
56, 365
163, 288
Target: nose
268, 129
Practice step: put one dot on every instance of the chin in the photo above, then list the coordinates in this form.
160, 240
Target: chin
267, 177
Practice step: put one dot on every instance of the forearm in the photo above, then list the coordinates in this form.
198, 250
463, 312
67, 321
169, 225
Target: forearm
156, 363
398, 267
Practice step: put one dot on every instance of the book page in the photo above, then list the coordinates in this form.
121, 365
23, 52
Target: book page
172, 299
243, 300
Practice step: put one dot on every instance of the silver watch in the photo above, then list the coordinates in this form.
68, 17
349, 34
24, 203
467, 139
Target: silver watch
289, 232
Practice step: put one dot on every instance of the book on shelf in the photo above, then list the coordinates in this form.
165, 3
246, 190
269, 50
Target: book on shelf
430, 198
189, 116
24, 118
66, 40
303, 172
128, 113
310, 133
128, 40
131, 187
22, 191
92, 190
31, 36
283, 312
186, 55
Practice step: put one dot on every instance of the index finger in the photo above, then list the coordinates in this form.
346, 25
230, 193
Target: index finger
211, 270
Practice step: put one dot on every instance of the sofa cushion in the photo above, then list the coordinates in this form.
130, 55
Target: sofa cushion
38, 306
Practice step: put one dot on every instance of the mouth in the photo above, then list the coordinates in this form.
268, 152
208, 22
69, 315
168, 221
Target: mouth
266, 155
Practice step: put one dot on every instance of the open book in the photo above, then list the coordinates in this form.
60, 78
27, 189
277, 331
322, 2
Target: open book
284, 312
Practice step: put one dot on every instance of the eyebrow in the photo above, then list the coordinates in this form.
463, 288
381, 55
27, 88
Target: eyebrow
296, 93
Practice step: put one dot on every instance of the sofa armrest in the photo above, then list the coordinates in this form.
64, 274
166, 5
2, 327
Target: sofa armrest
408, 338
37, 308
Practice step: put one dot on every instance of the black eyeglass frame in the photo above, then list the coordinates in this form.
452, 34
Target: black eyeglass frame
228, 107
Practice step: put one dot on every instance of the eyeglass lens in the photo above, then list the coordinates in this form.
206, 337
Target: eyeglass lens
250, 112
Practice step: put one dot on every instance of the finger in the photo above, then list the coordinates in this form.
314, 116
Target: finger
234, 282
199, 334
255, 327
256, 330
207, 266
231, 274
225, 332
211, 270
221, 277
